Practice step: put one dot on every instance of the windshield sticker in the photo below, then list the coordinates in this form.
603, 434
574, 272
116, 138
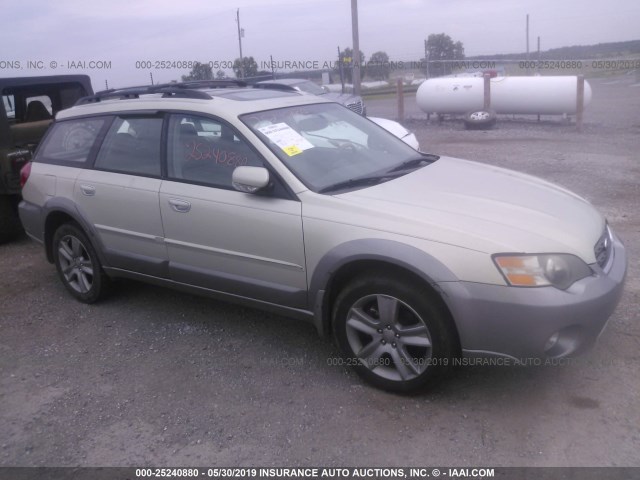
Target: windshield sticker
290, 141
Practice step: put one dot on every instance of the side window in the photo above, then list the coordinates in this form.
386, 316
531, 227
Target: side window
132, 145
38, 108
70, 141
9, 103
206, 151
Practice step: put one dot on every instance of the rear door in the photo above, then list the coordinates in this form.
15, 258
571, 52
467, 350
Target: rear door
119, 196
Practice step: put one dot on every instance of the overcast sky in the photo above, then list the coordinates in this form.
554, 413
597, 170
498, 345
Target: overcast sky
125, 31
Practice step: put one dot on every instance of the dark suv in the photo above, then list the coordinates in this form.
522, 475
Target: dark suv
28, 107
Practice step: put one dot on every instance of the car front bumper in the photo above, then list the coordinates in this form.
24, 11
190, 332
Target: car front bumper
537, 322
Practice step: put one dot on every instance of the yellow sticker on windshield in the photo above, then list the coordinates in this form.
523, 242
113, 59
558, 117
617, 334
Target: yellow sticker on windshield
292, 150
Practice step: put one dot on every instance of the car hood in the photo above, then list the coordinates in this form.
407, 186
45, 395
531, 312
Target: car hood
479, 207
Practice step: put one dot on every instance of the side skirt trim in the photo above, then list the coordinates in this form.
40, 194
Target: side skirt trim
300, 314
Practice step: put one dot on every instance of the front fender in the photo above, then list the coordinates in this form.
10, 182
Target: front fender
400, 255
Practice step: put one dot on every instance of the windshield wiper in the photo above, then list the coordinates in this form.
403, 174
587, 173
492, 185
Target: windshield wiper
336, 141
357, 182
414, 162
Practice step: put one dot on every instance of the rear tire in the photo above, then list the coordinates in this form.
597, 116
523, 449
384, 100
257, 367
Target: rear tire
10, 225
397, 334
78, 264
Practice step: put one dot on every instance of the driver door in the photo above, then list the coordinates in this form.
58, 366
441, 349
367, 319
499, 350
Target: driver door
222, 239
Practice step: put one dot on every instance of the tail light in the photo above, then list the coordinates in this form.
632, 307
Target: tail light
24, 174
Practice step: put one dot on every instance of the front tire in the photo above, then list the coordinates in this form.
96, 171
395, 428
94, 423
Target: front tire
78, 265
398, 335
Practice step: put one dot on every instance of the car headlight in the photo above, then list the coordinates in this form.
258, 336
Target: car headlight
556, 269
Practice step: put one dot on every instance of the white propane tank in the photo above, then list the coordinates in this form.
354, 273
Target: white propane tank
529, 95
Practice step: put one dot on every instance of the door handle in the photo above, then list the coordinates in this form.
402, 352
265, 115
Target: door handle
180, 206
88, 190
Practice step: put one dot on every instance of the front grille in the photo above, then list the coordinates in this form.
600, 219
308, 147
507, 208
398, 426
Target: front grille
356, 107
603, 247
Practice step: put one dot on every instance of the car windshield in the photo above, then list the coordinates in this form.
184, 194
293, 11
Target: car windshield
330, 148
310, 87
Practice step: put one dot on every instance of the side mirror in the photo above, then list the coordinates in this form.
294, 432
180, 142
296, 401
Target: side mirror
250, 179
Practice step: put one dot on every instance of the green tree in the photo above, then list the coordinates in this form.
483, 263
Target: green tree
200, 71
250, 67
347, 61
378, 66
440, 47
220, 74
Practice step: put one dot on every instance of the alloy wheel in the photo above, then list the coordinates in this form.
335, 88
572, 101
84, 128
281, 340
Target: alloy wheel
389, 337
75, 263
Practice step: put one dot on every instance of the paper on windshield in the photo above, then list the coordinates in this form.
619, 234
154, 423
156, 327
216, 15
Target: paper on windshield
290, 141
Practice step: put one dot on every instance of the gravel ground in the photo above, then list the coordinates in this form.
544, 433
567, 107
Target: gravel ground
155, 377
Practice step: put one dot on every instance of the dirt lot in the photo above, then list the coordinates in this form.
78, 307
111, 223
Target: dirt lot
155, 377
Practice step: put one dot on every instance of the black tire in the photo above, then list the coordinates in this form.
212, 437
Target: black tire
10, 225
406, 351
480, 119
78, 264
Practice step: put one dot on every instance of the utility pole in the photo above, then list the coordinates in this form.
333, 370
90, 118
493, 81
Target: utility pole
240, 44
340, 69
538, 66
426, 57
538, 62
527, 43
356, 47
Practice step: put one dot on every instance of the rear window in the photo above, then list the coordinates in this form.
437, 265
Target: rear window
70, 142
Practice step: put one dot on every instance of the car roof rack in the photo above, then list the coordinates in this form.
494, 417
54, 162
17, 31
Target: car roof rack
167, 90
189, 89
221, 83
274, 86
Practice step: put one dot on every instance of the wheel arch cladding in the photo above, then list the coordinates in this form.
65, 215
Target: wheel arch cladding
348, 260
59, 211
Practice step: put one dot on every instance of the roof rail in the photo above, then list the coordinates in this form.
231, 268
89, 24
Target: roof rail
175, 90
188, 89
274, 86
225, 82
